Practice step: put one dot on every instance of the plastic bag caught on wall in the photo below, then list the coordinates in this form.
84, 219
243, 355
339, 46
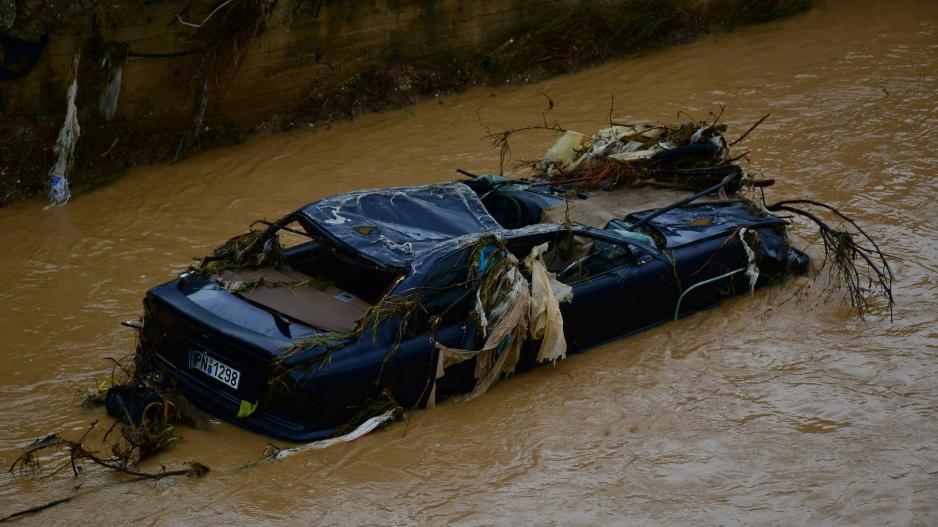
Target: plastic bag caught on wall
107, 104
59, 191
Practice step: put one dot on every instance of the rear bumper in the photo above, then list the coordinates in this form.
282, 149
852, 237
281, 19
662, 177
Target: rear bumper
174, 325
225, 405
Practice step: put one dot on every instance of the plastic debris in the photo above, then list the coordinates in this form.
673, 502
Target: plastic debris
518, 309
246, 408
546, 322
59, 191
107, 104
362, 429
567, 148
752, 270
128, 403
688, 156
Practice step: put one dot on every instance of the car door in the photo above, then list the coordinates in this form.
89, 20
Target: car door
632, 290
442, 316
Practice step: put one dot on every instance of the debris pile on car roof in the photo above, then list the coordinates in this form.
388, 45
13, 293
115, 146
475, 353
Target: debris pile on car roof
690, 156
628, 153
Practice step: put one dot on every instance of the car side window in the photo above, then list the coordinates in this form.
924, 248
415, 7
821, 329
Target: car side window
577, 257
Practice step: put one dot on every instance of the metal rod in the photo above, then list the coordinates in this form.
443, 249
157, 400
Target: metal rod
686, 200
677, 309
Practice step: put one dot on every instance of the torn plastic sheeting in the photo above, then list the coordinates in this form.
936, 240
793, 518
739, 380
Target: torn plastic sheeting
636, 144
609, 142
107, 104
505, 326
546, 322
567, 148
59, 191
362, 429
530, 309
388, 227
629, 156
508, 325
752, 270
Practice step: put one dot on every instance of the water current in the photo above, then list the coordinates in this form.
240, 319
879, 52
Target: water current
780, 408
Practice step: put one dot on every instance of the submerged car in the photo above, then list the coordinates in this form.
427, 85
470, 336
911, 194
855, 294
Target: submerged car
300, 345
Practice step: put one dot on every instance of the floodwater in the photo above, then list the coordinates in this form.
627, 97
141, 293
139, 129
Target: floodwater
777, 408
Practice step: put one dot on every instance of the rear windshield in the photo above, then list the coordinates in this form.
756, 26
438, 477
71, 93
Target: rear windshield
325, 267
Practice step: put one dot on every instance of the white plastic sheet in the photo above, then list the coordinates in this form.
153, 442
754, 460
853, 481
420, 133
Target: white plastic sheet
752, 270
107, 104
363, 429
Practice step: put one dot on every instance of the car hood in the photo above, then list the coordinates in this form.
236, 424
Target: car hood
389, 227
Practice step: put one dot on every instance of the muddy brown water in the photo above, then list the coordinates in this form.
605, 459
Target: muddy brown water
774, 408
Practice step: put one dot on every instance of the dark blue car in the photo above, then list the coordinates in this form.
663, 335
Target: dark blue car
300, 362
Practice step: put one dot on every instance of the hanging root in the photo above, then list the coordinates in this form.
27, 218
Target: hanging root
314, 352
306, 355
855, 259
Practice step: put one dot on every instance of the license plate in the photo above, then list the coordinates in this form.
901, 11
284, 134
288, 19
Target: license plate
214, 368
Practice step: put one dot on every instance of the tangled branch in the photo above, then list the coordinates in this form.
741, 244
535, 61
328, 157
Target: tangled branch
500, 140
855, 259
77, 452
120, 459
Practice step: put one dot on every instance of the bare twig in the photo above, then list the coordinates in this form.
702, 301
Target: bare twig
751, 128
500, 140
118, 462
196, 470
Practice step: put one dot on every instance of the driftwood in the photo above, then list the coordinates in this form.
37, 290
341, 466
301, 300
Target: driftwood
751, 128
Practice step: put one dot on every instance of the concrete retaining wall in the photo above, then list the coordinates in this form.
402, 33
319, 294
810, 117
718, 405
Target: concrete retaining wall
304, 43
271, 64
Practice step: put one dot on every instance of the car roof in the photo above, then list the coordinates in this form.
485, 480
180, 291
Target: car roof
389, 227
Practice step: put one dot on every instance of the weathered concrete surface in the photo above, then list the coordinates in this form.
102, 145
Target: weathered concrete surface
305, 42
279, 62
